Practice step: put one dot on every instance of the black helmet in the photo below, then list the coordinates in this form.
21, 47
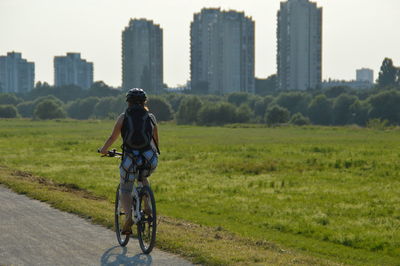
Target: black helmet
136, 95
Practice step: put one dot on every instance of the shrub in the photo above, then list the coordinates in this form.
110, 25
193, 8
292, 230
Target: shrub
9, 99
243, 114
342, 111
188, 110
161, 108
277, 115
385, 105
104, 107
377, 123
25, 109
82, 109
238, 98
320, 110
299, 120
217, 114
8, 111
49, 109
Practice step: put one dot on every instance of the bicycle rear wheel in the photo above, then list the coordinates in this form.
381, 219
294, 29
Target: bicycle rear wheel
120, 220
147, 226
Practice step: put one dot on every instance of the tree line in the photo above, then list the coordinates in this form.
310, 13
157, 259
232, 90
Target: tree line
332, 106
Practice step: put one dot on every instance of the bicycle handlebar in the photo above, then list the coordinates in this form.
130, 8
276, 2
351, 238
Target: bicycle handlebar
111, 153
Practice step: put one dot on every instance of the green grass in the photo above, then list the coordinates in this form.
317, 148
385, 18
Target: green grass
328, 192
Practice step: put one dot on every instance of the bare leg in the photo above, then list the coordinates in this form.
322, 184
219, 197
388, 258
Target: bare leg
126, 201
147, 210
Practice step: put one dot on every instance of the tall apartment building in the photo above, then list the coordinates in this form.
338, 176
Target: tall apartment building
16, 73
222, 52
299, 41
365, 74
142, 56
73, 70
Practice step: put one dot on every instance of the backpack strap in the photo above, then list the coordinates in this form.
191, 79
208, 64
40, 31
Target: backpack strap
154, 140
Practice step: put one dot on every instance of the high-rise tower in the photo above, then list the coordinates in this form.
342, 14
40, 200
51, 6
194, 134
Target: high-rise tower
72, 70
142, 56
299, 37
222, 52
16, 73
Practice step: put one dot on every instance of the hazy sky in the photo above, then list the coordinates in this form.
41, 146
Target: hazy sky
356, 33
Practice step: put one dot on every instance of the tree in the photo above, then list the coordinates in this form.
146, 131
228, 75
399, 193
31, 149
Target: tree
49, 97
25, 109
243, 114
342, 112
101, 89
237, 98
388, 74
277, 115
8, 98
385, 105
105, 108
335, 91
217, 114
49, 109
359, 109
68, 92
320, 110
226, 113
295, 102
161, 108
82, 109
266, 86
261, 106
174, 100
8, 111
188, 110
207, 114
299, 119
40, 90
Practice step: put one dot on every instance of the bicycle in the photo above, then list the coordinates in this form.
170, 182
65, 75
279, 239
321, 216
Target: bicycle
144, 217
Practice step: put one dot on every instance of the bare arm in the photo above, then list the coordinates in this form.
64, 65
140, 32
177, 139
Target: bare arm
155, 133
114, 135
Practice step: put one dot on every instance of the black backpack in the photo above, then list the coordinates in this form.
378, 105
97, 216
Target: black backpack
137, 129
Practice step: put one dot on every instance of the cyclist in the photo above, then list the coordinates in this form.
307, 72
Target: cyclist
140, 147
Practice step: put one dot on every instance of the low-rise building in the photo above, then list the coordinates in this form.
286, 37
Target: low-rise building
354, 84
365, 74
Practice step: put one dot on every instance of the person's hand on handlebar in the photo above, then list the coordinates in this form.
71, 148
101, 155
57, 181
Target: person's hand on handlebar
103, 150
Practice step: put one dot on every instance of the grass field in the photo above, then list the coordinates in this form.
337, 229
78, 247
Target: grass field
328, 193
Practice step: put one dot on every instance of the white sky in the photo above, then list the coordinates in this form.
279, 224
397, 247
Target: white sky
356, 33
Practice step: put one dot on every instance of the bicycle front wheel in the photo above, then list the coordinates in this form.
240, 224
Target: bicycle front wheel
120, 220
147, 225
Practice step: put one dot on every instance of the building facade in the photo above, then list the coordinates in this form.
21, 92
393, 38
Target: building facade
142, 56
365, 74
72, 70
222, 52
299, 43
17, 75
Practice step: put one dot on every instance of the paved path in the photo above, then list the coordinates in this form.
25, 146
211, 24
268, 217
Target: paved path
33, 233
